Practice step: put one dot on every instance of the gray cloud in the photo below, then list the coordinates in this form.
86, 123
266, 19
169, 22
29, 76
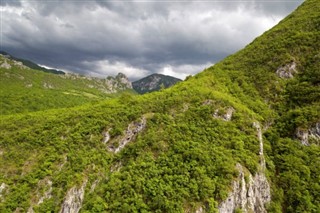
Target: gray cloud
135, 37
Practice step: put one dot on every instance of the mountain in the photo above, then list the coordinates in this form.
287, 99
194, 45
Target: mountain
31, 64
241, 136
154, 82
23, 89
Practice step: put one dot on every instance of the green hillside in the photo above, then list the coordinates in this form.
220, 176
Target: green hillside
247, 123
25, 90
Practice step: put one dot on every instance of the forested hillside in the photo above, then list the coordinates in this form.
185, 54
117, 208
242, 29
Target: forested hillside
241, 136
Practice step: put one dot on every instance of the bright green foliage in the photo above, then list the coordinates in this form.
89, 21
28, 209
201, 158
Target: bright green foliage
186, 155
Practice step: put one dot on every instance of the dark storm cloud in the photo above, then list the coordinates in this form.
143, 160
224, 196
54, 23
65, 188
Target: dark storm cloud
135, 37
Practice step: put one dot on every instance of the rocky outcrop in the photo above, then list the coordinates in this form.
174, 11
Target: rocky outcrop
123, 80
119, 83
44, 190
3, 188
73, 200
250, 196
311, 135
287, 71
249, 193
5, 65
106, 136
227, 116
130, 134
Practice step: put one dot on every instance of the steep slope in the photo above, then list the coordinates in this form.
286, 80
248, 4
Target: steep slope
154, 82
223, 140
23, 89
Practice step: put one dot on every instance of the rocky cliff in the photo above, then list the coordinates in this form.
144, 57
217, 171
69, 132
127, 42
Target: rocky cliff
154, 82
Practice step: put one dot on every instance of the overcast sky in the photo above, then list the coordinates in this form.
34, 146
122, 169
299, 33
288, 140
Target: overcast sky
137, 38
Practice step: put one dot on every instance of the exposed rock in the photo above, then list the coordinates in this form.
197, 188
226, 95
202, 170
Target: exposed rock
227, 116
93, 186
309, 135
119, 83
185, 107
29, 85
116, 167
47, 85
132, 131
303, 136
249, 196
73, 200
5, 65
106, 136
44, 190
200, 210
207, 102
314, 133
63, 163
154, 82
287, 71
46, 183
3, 188
122, 78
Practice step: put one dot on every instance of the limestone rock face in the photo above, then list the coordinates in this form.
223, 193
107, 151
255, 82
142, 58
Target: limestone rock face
3, 188
73, 200
119, 83
122, 78
250, 196
253, 194
287, 71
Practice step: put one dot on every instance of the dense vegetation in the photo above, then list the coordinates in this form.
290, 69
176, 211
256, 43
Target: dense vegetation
186, 156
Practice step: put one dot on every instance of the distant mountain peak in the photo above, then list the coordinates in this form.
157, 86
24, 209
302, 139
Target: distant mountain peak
154, 82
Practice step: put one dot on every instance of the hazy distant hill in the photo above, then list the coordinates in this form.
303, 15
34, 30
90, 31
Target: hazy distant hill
154, 82
31, 64
241, 136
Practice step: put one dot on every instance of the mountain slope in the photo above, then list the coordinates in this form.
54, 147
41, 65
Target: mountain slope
25, 90
222, 140
154, 82
31, 64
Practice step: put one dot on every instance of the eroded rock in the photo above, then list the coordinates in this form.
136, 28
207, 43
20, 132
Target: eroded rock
3, 188
253, 194
73, 200
130, 134
309, 135
227, 116
44, 191
287, 71
5, 65
248, 196
106, 136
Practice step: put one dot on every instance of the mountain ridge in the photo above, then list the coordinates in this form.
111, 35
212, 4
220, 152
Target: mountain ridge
154, 82
188, 148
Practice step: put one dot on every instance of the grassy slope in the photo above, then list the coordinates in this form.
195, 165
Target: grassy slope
27, 90
186, 157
